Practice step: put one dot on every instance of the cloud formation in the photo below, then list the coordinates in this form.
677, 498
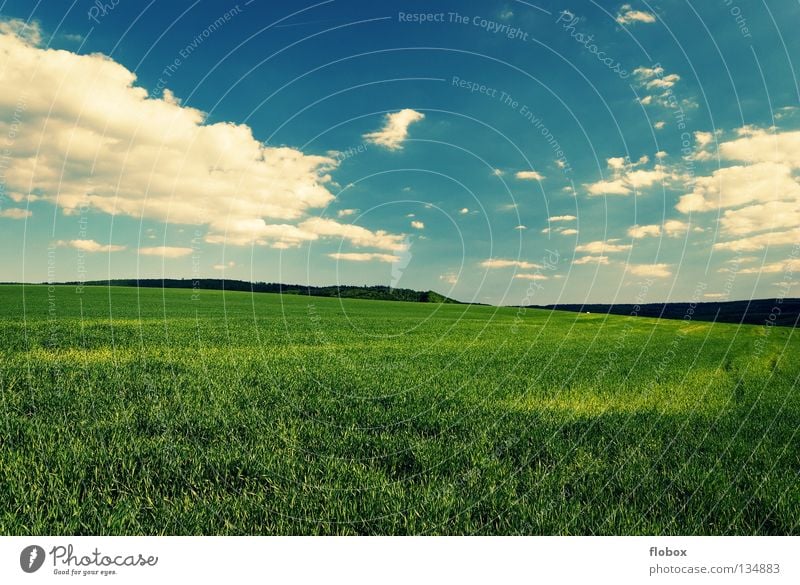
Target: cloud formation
90, 138
89, 246
395, 129
166, 251
364, 257
500, 263
627, 15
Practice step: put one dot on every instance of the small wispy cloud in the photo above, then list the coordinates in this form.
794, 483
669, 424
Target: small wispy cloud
89, 246
165, 251
627, 15
364, 257
395, 129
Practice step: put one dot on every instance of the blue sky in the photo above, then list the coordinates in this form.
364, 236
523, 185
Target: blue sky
500, 152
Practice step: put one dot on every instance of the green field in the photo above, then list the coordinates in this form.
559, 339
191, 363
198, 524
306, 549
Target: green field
132, 411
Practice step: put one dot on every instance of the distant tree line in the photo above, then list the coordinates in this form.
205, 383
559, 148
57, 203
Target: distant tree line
379, 293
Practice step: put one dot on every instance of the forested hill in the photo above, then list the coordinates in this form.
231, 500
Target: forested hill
381, 293
784, 312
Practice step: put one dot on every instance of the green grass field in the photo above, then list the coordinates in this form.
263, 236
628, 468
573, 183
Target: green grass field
132, 411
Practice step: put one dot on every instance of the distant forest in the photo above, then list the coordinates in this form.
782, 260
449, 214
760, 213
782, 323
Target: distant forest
378, 293
785, 312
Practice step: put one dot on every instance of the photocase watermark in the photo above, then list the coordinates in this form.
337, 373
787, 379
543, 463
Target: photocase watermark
523, 110
568, 20
31, 558
101, 9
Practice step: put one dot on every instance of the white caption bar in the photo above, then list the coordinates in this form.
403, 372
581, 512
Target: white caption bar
400, 560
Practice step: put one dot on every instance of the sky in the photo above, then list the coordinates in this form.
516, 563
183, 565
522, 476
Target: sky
498, 152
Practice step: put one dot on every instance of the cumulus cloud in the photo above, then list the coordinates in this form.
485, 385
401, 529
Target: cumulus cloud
395, 129
652, 270
630, 177
601, 247
627, 15
89, 246
791, 266
464, 210
91, 138
529, 176
230, 264
761, 195
563, 218
532, 276
346, 212
760, 241
500, 263
568, 232
364, 257
591, 260
655, 79
449, 277
644, 231
165, 251
418, 225
15, 213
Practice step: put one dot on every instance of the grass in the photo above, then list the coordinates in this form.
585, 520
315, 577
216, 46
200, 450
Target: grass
132, 411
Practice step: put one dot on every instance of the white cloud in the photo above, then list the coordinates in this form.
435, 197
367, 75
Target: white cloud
568, 232
395, 129
659, 125
644, 231
94, 139
675, 228
627, 15
654, 78
534, 276
591, 260
29, 32
498, 172
449, 277
165, 251
464, 210
15, 213
628, 177
230, 264
418, 225
791, 266
529, 176
521, 227
761, 241
357, 235
89, 246
500, 263
654, 270
346, 212
601, 247
563, 218
364, 257
671, 228
763, 195
738, 185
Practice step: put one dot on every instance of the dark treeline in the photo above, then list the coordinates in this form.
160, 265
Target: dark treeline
785, 312
381, 293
